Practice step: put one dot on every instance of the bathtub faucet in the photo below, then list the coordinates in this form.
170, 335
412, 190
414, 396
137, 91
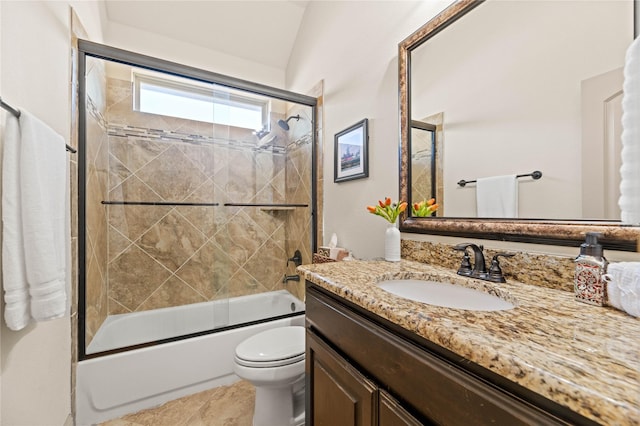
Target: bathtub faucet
290, 278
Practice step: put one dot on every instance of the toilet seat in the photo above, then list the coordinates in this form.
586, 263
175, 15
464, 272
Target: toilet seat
272, 348
265, 364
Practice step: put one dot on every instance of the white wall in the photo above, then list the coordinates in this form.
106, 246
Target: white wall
353, 47
146, 43
35, 377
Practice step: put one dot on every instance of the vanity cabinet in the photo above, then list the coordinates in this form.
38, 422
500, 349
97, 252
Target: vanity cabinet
364, 370
342, 395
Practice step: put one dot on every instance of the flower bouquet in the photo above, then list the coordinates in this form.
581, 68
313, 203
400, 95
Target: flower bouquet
388, 210
424, 208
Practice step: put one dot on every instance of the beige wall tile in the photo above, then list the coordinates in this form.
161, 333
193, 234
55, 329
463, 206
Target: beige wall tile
171, 175
241, 238
133, 276
268, 264
173, 292
208, 270
171, 241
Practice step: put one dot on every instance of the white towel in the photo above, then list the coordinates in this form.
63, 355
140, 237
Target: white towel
497, 197
629, 201
41, 173
623, 286
14, 276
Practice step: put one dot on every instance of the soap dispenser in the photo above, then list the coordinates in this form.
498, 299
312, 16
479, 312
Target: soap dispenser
590, 267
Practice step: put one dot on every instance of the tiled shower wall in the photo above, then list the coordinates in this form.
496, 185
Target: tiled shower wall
163, 255
421, 158
96, 191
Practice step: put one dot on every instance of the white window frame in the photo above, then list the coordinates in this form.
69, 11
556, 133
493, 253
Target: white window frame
208, 92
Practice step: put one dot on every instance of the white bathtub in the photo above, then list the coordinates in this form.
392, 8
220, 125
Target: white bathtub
114, 385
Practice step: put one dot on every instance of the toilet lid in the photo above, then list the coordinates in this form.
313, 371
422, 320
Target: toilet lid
277, 346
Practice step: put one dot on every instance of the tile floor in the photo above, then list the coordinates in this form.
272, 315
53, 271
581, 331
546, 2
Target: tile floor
224, 406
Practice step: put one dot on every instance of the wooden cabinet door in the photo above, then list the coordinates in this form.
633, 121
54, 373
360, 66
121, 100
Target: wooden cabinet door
338, 395
391, 413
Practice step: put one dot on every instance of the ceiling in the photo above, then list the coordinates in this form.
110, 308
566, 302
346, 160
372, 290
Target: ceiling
260, 31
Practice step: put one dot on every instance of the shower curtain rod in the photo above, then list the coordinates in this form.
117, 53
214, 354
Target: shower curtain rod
16, 113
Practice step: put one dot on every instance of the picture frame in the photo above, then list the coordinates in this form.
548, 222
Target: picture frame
351, 152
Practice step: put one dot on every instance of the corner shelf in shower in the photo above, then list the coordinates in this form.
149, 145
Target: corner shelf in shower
277, 209
156, 203
268, 207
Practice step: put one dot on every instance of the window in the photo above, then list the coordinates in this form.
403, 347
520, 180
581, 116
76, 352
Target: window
193, 100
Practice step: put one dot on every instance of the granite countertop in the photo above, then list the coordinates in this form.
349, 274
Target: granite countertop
584, 357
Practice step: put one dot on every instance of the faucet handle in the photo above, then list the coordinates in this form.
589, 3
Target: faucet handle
465, 265
296, 259
495, 271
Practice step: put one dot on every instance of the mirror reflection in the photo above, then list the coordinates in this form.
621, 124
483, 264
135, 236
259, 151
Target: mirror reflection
513, 87
426, 160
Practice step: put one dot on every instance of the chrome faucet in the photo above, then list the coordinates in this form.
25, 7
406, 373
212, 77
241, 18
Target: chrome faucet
479, 266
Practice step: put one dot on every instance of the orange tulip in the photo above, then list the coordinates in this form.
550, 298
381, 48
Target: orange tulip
434, 207
388, 210
431, 201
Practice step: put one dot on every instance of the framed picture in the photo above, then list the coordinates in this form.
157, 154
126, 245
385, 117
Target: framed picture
351, 153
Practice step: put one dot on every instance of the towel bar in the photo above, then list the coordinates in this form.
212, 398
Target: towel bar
16, 113
535, 175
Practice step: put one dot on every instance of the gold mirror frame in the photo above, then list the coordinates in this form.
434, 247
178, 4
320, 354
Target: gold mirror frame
554, 232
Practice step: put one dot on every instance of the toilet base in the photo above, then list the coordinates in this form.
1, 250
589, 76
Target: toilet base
298, 406
289, 401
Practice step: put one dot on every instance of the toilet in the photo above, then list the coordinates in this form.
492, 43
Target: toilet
273, 361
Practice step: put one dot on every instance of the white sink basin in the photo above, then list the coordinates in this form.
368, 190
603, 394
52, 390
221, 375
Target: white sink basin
445, 294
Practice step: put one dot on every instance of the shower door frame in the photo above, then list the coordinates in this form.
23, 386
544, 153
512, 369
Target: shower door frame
100, 51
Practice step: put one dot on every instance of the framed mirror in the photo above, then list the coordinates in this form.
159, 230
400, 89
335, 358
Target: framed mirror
509, 88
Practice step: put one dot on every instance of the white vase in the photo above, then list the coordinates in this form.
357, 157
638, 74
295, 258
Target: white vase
392, 244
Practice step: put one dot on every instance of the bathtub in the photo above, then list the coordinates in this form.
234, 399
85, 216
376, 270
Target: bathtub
113, 385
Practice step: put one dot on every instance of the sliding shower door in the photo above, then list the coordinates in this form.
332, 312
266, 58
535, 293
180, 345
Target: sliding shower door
193, 196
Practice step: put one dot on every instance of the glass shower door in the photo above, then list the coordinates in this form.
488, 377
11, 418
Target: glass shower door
150, 209
193, 199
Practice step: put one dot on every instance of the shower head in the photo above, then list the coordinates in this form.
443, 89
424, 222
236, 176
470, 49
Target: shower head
285, 124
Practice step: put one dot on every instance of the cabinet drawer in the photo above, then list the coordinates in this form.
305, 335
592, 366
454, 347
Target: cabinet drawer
430, 386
